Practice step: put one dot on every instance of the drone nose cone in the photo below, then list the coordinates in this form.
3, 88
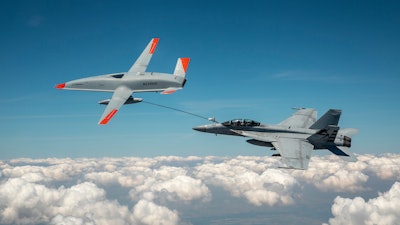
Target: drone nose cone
60, 86
200, 128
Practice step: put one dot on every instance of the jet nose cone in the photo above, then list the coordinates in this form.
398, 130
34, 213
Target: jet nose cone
60, 86
200, 128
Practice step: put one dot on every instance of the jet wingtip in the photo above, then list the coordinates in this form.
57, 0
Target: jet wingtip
293, 167
102, 122
153, 45
106, 119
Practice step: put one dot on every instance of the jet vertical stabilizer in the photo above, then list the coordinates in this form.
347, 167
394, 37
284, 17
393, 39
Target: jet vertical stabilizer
180, 69
329, 118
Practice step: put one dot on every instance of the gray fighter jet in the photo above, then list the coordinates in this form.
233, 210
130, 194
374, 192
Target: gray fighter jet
293, 138
135, 80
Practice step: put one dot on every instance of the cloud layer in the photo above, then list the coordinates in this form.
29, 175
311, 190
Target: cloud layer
163, 190
383, 209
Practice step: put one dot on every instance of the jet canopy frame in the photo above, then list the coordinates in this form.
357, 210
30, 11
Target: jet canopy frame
241, 123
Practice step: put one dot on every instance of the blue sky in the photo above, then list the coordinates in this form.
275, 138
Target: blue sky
251, 59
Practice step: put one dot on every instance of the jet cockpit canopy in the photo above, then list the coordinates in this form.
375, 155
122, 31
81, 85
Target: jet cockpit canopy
241, 123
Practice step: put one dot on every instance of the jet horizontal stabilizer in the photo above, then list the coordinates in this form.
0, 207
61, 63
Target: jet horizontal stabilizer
335, 150
342, 152
169, 91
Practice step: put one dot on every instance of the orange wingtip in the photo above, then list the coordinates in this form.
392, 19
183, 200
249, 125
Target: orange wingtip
154, 45
60, 86
108, 117
185, 63
167, 92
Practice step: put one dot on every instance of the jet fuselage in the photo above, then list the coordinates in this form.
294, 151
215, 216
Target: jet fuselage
272, 133
146, 82
295, 137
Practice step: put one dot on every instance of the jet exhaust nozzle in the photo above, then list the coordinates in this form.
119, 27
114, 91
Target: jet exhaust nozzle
183, 83
343, 141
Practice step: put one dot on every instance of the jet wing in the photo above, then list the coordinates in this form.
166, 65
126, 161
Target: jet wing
121, 94
143, 60
295, 153
303, 118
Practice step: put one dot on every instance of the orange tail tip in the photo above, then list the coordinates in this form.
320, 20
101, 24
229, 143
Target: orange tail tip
108, 117
154, 45
185, 63
60, 86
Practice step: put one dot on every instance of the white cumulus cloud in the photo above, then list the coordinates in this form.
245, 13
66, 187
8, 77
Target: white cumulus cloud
249, 178
332, 174
174, 190
23, 202
382, 210
385, 167
149, 213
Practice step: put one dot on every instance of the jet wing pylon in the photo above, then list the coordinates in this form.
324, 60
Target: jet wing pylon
143, 60
121, 94
295, 153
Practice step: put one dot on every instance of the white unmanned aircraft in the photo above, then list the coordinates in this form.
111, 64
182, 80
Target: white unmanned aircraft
295, 137
135, 80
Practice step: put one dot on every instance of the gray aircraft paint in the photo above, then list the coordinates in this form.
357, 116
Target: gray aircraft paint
124, 84
295, 137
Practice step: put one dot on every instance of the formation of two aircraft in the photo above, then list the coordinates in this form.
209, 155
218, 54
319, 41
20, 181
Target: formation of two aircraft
294, 138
